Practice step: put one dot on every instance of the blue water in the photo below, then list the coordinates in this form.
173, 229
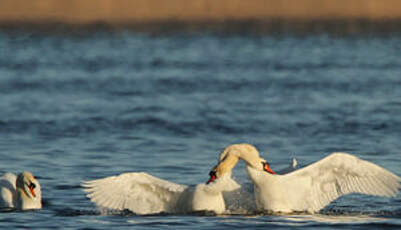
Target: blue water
86, 106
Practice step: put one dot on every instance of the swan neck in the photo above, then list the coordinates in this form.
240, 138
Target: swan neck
225, 167
259, 177
26, 202
22, 198
252, 160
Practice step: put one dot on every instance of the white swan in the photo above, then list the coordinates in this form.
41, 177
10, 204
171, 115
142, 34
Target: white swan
22, 192
142, 193
311, 188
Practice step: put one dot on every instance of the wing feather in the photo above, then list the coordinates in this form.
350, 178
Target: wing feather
341, 173
8, 192
139, 192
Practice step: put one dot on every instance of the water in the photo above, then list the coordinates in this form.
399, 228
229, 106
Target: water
81, 107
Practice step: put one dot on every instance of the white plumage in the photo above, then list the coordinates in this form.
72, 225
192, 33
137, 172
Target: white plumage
313, 187
142, 193
336, 175
22, 192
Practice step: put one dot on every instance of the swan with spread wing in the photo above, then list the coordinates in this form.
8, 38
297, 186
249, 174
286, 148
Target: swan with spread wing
311, 188
142, 193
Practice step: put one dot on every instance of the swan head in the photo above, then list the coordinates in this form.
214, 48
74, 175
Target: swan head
28, 184
230, 156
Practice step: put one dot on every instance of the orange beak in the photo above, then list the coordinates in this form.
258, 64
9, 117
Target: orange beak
267, 168
31, 188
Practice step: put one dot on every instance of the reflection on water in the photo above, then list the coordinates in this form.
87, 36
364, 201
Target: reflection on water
340, 219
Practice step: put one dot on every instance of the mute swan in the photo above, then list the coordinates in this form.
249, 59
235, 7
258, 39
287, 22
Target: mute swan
22, 192
142, 193
311, 188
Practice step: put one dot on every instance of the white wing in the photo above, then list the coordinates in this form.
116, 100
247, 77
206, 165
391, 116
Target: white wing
338, 174
8, 191
139, 192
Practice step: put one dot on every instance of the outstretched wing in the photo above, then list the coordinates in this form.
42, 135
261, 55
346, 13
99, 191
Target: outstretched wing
340, 174
139, 192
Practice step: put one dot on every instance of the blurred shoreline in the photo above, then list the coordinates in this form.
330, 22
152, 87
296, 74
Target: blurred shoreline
256, 16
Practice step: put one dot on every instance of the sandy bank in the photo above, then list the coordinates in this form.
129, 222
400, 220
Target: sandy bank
149, 13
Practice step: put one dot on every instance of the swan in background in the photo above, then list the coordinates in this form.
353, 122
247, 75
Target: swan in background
22, 192
142, 193
311, 188
291, 167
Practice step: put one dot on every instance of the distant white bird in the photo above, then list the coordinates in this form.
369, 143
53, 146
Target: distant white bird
22, 192
311, 188
142, 193
291, 167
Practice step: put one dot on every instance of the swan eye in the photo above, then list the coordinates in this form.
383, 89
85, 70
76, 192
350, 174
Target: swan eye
213, 176
32, 186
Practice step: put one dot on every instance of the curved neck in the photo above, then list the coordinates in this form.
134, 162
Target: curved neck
231, 157
225, 166
26, 202
258, 176
251, 159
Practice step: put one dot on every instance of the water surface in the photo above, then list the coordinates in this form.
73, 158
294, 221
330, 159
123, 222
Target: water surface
75, 108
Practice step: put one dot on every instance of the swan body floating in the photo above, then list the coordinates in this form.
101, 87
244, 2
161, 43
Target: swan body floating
20, 192
311, 188
142, 193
